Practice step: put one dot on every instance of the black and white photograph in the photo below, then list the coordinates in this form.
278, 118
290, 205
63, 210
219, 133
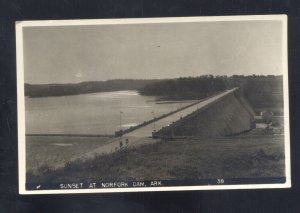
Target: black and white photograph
153, 104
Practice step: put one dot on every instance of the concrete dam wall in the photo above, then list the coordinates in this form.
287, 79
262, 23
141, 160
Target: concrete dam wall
228, 115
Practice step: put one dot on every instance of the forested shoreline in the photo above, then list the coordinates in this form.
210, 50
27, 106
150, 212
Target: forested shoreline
259, 90
47, 90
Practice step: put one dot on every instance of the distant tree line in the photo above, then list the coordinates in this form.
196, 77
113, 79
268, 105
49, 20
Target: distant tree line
45, 90
262, 91
259, 90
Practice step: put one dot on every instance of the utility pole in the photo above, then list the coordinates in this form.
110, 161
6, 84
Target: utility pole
121, 143
153, 120
121, 120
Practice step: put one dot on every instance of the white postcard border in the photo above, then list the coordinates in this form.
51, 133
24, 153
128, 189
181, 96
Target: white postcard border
21, 100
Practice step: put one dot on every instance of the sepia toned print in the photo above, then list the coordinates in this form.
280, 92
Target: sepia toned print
157, 104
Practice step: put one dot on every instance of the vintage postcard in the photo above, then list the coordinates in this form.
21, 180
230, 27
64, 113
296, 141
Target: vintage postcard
153, 104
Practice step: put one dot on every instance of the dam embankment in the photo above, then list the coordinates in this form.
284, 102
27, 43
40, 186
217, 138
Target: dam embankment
227, 115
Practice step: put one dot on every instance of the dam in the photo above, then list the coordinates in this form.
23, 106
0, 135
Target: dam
226, 113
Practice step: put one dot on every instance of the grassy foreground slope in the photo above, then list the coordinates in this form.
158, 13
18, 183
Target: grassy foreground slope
247, 156
51, 151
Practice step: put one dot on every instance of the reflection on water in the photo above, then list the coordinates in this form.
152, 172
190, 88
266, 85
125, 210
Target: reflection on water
96, 113
129, 125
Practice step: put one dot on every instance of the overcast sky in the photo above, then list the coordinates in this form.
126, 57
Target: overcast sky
70, 54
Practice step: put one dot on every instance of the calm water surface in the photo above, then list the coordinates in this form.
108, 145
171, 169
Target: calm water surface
96, 113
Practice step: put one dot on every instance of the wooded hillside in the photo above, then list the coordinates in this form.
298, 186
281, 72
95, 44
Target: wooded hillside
260, 91
45, 90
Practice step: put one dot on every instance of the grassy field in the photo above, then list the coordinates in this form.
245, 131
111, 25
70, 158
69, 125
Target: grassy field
245, 156
48, 152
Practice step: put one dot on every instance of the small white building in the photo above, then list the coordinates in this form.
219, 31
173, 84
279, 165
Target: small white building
261, 125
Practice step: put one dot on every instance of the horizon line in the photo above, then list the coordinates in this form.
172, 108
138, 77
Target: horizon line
153, 79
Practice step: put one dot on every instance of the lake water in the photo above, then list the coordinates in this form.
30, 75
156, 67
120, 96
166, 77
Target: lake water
95, 113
